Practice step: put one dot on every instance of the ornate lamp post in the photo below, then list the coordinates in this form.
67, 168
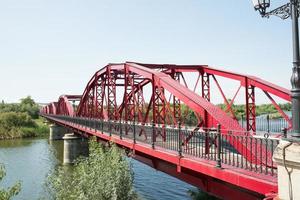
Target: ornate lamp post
285, 11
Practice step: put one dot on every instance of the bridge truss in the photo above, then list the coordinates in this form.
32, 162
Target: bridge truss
160, 94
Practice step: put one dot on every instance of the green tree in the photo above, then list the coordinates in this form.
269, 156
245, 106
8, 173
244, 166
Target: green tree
105, 175
7, 194
28, 105
27, 101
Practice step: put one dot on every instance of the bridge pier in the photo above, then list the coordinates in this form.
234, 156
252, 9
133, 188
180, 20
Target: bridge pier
287, 157
74, 146
56, 132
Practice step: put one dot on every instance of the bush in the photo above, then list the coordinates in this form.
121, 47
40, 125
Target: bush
17, 125
105, 174
41, 130
27, 105
12, 119
28, 132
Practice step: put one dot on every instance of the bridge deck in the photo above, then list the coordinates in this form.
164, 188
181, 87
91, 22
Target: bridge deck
231, 181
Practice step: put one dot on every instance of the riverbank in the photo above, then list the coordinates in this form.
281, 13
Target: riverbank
21, 127
21, 120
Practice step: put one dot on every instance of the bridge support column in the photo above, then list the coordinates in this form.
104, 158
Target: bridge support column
287, 157
56, 132
74, 146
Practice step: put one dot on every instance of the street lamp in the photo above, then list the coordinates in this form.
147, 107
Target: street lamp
285, 11
261, 5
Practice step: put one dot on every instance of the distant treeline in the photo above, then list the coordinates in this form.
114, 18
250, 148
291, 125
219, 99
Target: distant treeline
262, 109
239, 110
19, 120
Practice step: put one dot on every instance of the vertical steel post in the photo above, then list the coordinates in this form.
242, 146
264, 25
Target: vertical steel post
284, 132
295, 79
126, 127
242, 121
153, 135
206, 95
250, 107
206, 142
268, 123
120, 124
109, 127
90, 123
219, 146
134, 132
179, 139
102, 125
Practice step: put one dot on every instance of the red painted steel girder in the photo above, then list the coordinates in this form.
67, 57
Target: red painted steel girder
159, 75
92, 82
192, 100
64, 106
245, 81
52, 108
253, 81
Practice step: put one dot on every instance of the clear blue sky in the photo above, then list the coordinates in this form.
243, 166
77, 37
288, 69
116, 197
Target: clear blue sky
53, 47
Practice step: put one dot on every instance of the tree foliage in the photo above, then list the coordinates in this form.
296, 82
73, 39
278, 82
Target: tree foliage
104, 175
240, 110
27, 105
20, 120
15, 125
7, 194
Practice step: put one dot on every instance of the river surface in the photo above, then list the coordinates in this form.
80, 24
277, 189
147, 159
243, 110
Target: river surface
31, 160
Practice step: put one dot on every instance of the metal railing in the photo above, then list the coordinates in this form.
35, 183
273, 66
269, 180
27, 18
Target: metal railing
222, 146
267, 124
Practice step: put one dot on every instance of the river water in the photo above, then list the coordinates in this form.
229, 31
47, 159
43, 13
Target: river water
31, 160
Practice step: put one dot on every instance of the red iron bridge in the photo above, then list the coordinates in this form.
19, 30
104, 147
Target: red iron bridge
144, 108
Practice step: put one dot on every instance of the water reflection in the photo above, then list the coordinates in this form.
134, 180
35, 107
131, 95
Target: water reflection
15, 143
32, 160
29, 161
56, 147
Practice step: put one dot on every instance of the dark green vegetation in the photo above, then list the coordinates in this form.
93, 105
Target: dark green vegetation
105, 174
18, 120
6, 194
239, 111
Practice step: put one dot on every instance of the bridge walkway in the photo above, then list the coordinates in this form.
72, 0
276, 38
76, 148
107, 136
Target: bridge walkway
158, 146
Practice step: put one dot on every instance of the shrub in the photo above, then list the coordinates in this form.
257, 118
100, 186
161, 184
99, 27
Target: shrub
16, 125
105, 174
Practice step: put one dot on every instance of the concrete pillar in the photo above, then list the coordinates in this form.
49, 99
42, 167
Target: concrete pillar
287, 157
74, 146
56, 132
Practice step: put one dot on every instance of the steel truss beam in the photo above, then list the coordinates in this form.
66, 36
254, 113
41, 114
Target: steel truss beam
176, 101
158, 108
111, 95
101, 89
250, 107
